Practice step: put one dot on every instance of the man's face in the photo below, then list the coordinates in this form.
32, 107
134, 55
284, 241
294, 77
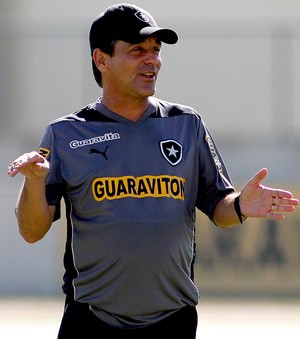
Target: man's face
132, 70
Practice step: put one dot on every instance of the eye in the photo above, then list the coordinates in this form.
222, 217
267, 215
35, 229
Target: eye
136, 50
157, 50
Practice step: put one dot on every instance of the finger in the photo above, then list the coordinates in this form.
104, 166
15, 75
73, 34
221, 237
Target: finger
12, 170
42, 166
287, 200
281, 194
29, 158
259, 176
14, 167
282, 208
275, 216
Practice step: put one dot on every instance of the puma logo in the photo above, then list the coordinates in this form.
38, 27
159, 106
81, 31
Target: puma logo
94, 150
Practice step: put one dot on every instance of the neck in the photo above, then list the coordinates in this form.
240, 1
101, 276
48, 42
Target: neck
129, 109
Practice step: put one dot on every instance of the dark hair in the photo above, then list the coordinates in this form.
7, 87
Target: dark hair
107, 50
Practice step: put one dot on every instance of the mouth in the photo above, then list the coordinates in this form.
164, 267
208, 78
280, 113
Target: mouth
149, 75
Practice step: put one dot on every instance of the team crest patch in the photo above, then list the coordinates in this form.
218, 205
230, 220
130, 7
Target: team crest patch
171, 151
44, 152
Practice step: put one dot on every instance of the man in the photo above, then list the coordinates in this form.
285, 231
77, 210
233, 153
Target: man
131, 169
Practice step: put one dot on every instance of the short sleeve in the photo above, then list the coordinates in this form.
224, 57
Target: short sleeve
54, 183
214, 180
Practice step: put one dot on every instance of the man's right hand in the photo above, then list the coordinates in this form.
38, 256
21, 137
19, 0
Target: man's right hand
32, 165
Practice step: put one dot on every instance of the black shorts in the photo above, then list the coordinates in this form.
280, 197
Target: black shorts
79, 321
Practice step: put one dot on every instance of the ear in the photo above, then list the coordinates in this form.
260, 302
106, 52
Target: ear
99, 58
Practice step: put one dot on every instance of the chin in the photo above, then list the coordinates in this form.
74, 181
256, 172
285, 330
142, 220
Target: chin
149, 92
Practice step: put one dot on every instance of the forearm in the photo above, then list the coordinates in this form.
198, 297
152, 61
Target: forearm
34, 214
225, 214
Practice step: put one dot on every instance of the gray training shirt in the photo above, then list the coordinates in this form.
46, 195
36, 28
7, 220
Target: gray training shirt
130, 190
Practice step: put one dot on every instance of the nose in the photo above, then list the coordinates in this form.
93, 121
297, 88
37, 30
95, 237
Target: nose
152, 58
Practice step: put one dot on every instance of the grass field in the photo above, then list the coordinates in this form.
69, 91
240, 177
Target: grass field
30, 318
